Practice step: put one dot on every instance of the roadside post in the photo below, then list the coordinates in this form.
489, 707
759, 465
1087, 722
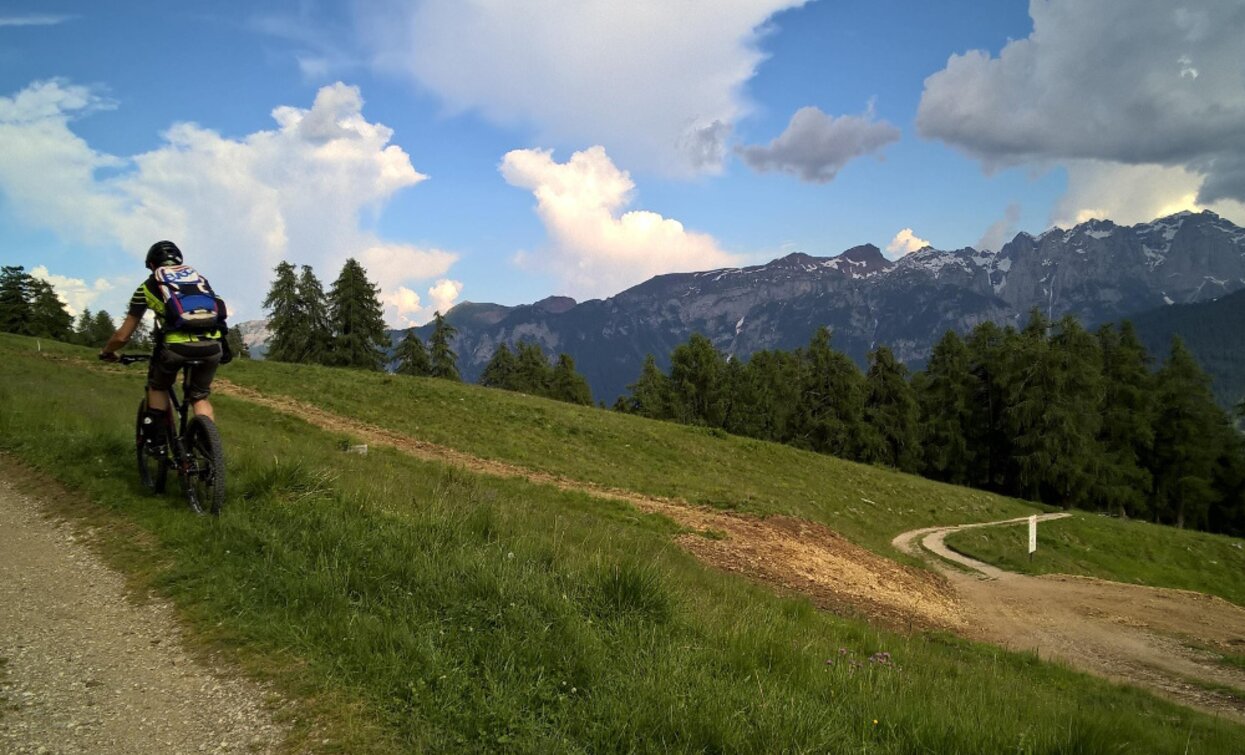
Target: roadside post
1032, 535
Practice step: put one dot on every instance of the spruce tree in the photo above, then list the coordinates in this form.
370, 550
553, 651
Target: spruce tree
989, 441
650, 393
15, 300
82, 327
1185, 449
101, 329
315, 329
357, 317
830, 410
444, 360
891, 413
48, 316
945, 392
1076, 417
532, 374
696, 382
567, 384
1127, 433
285, 318
412, 356
499, 372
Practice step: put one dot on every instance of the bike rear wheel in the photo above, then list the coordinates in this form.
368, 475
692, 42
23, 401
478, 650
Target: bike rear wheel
205, 480
153, 471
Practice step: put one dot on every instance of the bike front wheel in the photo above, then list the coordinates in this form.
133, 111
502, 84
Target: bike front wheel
153, 470
205, 479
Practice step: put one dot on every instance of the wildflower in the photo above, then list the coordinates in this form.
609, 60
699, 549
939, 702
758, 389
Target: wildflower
875, 722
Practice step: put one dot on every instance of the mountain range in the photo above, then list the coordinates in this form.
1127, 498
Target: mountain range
1097, 270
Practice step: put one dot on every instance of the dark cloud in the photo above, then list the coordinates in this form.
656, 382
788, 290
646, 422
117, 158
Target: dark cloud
816, 146
1146, 82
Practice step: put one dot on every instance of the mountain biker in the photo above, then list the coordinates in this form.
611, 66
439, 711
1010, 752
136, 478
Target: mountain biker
173, 348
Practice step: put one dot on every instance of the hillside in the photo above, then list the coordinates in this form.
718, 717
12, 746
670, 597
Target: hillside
488, 577
1213, 331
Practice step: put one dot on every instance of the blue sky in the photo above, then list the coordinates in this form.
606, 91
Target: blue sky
496, 151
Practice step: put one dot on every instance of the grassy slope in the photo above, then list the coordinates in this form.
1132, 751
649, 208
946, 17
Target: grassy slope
1128, 551
408, 606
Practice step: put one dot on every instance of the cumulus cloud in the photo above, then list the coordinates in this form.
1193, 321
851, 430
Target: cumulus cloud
78, 294
657, 83
1140, 83
816, 146
405, 308
235, 206
1131, 194
596, 249
1000, 231
905, 242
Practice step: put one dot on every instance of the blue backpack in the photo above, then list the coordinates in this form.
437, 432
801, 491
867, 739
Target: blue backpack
189, 303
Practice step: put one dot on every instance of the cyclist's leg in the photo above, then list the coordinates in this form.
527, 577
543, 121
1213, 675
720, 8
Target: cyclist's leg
160, 376
203, 408
199, 387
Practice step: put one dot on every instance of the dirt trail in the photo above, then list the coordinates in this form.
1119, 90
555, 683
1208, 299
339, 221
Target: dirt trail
1127, 633
85, 670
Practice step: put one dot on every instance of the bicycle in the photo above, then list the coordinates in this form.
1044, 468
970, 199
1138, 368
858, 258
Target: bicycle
194, 449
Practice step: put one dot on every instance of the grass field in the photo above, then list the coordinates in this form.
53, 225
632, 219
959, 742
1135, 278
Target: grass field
1124, 551
405, 605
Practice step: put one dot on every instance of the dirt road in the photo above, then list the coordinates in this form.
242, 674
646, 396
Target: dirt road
84, 669
1140, 635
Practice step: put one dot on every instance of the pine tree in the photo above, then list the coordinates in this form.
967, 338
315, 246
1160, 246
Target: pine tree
237, 346
101, 329
412, 356
696, 382
568, 385
82, 327
499, 372
15, 300
1184, 447
359, 338
1127, 432
315, 326
48, 315
945, 392
989, 441
830, 410
444, 360
891, 412
532, 374
650, 393
1076, 416
285, 318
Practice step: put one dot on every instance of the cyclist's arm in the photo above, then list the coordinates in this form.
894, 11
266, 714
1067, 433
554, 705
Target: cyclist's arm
122, 336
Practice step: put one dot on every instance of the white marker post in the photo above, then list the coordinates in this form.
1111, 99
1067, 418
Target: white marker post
1032, 535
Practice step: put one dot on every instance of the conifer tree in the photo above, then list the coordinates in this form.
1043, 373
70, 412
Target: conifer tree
891, 413
1127, 433
532, 374
988, 438
830, 410
412, 356
444, 360
945, 393
48, 316
237, 346
82, 327
359, 338
285, 318
499, 372
315, 329
650, 393
568, 385
101, 329
1075, 418
696, 382
15, 300
1184, 448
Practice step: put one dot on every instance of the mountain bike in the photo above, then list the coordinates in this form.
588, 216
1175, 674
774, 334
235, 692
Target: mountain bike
193, 449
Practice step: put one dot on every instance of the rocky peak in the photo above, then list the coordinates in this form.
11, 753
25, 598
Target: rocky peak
555, 305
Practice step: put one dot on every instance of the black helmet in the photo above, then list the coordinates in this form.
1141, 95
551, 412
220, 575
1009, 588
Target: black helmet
162, 253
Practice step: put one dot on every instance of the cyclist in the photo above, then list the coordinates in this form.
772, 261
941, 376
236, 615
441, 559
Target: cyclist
173, 348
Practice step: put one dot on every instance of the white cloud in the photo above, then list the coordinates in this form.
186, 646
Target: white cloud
236, 207
1143, 83
405, 308
816, 146
905, 242
444, 293
596, 249
658, 83
79, 295
1131, 194
35, 19
1000, 231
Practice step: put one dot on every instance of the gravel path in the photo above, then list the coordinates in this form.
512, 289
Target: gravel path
83, 669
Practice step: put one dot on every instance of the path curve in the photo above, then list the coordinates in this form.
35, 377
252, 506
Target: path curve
84, 669
1146, 636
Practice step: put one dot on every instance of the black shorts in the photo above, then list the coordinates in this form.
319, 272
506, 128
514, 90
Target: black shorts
172, 357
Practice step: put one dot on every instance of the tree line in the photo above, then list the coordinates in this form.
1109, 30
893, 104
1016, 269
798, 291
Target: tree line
1050, 412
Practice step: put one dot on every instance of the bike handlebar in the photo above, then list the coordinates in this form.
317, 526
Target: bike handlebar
132, 358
